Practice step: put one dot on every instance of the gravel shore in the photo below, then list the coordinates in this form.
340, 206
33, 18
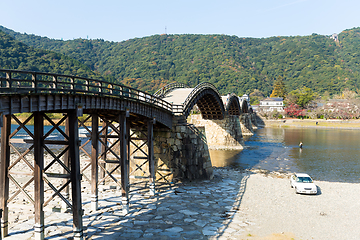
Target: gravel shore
233, 205
276, 212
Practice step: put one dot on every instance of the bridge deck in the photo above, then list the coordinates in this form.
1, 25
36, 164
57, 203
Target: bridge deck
178, 96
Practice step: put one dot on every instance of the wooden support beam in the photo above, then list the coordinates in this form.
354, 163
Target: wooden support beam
75, 174
38, 175
124, 162
94, 161
4, 180
150, 142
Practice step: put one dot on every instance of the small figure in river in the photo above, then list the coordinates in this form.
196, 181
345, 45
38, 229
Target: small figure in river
300, 145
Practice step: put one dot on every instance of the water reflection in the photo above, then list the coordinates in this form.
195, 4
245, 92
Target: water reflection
327, 154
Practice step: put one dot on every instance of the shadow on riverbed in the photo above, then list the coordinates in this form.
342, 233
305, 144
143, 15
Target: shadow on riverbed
199, 209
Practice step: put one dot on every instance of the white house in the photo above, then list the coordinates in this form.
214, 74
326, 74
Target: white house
269, 104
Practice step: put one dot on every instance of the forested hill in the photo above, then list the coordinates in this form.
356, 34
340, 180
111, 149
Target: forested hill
19, 56
231, 63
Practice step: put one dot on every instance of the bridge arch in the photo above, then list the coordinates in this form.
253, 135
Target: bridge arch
204, 95
208, 100
232, 104
244, 106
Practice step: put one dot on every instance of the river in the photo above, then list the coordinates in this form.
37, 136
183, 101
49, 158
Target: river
327, 154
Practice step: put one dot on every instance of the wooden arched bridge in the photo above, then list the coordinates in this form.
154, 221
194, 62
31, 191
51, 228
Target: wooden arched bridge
119, 109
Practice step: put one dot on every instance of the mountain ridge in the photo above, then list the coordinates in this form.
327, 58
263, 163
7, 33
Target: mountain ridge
231, 63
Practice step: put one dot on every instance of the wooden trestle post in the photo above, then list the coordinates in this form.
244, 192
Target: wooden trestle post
4, 166
150, 141
94, 161
75, 177
38, 175
67, 164
103, 150
124, 137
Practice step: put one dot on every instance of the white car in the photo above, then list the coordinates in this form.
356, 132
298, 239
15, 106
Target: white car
303, 183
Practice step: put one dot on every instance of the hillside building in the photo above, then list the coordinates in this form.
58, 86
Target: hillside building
272, 103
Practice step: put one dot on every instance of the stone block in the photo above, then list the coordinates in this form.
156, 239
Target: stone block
182, 129
170, 141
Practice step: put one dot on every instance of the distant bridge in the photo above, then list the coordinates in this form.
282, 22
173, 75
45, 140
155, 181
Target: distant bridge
120, 108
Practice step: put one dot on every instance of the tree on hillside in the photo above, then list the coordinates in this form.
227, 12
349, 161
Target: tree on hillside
279, 88
346, 94
255, 97
301, 97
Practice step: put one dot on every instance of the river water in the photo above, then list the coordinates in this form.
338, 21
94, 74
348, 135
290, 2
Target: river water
327, 154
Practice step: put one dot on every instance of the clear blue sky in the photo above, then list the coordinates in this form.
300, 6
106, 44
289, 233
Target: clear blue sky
118, 20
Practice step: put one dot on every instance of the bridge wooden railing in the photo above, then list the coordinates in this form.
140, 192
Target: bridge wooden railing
29, 82
167, 88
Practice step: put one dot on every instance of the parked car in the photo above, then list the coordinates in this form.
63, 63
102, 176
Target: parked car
303, 183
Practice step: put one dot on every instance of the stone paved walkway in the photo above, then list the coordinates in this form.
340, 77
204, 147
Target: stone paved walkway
201, 209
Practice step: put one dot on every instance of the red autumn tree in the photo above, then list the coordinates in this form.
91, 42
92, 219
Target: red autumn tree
293, 110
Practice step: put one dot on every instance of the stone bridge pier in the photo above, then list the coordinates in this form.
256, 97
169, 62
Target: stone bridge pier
248, 123
183, 151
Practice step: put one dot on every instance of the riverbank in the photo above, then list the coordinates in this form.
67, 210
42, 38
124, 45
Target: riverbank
233, 205
313, 123
276, 212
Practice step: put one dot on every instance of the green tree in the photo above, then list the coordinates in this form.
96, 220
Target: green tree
301, 97
255, 97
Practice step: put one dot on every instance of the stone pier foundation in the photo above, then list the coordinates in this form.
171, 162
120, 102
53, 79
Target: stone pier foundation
181, 153
246, 124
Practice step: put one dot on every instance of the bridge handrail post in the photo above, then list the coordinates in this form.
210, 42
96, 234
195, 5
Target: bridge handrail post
55, 82
8, 80
100, 87
72, 82
34, 83
87, 82
110, 87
